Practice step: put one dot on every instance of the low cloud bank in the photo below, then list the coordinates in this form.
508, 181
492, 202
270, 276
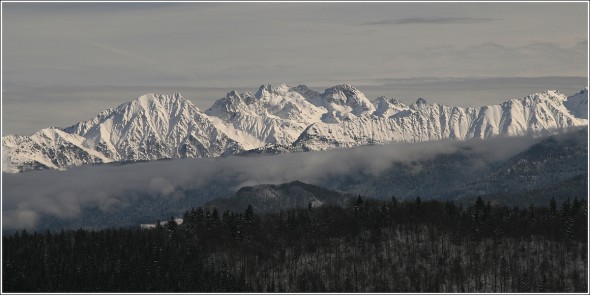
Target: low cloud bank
26, 197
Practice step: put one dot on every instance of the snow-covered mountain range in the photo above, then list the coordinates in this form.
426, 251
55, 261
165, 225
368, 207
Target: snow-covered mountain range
279, 118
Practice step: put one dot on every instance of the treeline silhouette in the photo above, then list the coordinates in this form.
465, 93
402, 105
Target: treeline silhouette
367, 246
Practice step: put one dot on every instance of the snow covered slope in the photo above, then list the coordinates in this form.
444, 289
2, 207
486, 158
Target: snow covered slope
156, 127
273, 114
278, 118
148, 128
394, 122
577, 104
47, 148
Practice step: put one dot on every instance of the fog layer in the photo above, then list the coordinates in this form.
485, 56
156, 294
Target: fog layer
26, 197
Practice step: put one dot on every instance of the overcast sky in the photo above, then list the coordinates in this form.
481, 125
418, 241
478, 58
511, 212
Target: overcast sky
65, 62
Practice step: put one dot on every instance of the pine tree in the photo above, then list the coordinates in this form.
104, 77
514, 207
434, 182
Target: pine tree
394, 202
171, 225
552, 206
359, 201
418, 202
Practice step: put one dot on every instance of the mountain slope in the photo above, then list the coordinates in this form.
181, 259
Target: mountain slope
276, 119
554, 159
148, 128
272, 198
273, 115
474, 170
155, 127
577, 104
393, 122
575, 187
49, 148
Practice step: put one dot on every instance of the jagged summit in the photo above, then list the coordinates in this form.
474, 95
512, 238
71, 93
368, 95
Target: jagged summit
306, 92
347, 99
246, 96
387, 108
156, 126
344, 96
266, 90
275, 114
151, 98
421, 100
420, 104
395, 101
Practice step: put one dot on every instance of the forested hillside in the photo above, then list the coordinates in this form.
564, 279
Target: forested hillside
268, 198
367, 246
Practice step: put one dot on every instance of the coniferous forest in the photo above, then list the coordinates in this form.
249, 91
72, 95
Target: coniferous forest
366, 246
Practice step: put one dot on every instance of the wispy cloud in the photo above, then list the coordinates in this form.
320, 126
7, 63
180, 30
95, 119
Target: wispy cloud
120, 51
528, 60
431, 20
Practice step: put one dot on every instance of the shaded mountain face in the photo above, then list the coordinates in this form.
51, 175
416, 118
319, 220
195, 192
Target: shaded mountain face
571, 188
471, 172
577, 104
278, 119
273, 198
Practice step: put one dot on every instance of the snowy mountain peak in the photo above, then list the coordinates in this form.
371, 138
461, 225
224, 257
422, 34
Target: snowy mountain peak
233, 95
49, 148
381, 100
553, 95
345, 99
552, 92
237, 98
420, 101
263, 90
227, 105
577, 104
420, 104
301, 89
388, 108
396, 101
150, 127
276, 114
156, 126
266, 90
341, 94
153, 98
306, 92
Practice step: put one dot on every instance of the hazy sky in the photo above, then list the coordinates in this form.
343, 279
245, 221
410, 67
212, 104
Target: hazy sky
65, 62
